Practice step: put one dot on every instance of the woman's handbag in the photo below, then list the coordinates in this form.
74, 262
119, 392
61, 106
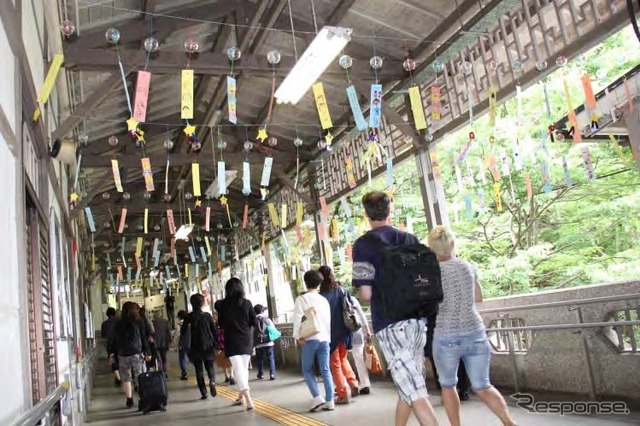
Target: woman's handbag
310, 325
372, 359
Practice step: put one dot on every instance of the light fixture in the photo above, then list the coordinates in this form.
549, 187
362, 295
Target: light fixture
183, 232
214, 189
327, 45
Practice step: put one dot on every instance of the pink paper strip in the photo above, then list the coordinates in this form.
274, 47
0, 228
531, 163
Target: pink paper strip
207, 220
139, 262
245, 217
173, 247
170, 222
299, 234
123, 219
142, 96
323, 207
322, 232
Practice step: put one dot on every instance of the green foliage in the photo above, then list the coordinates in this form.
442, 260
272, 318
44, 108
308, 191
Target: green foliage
563, 235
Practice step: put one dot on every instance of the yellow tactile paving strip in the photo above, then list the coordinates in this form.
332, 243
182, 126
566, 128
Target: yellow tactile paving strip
273, 412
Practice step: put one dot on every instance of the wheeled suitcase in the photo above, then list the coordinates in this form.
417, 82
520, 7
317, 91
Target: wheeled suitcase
152, 392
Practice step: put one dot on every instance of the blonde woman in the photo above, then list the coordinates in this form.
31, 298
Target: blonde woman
460, 333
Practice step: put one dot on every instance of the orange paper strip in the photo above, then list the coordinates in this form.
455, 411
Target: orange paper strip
123, 218
590, 98
147, 173
299, 234
142, 95
351, 177
170, 222
245, 217
577, 136
527, 182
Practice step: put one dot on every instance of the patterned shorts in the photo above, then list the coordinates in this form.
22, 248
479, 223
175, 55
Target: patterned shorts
403, 344
130, 367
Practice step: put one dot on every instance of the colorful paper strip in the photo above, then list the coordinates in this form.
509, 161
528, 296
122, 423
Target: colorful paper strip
588, 165
146, 220
351, 177
273, 214
170, 222
245, 217
92, 224
324, 210
116, 175
375, 108
246, 177
266, 171
493, 105
283, 216
186, 111
195, 177
436, 108
50, 80
207, 219
147, 173
417, 108
139, 243
222, 178
322, 106
123, 218
142, 96
299, 212
231, 99
354, 103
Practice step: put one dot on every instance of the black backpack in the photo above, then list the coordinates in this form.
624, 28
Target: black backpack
200, 337
260, 335
409, 285
349, 314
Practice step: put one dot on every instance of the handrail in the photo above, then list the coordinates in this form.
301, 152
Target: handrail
38, 411
565, 326
561, 303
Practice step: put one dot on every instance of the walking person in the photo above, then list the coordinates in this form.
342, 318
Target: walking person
390, 269
107, 332
131, 347
151, 336
341, 338
202, 344
314, 339
461, 334
264, 351
162, 341
183, 345
221, 359
237, 318
361, 338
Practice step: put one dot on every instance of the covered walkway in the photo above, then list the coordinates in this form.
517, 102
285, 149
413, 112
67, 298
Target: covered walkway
284, 402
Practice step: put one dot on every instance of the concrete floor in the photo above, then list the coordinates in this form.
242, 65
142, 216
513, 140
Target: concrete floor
285, 401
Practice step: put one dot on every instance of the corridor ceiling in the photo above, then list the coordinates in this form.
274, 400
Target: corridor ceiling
387, 28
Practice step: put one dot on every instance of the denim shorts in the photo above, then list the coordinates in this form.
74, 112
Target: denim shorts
473, 349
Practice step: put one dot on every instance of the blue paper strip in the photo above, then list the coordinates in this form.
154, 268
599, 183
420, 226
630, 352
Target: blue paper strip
179, 271
222, 178
389, 172
138, 272
246, 177
203, 252
124, 84
467, 205
361, 123
544, 167
92, 224
167, 271
223, 253
375, 107
129, 273
192, 254
157, 260
209, 269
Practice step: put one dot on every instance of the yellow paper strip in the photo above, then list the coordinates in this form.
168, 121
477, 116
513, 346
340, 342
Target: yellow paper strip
146, 220
498, 197
186, 111
299, 212
417, 108
617, 147
206, 241
190, 221
116, 175
273, 214
50, 80
186, 271
195, 174
283, 215
139, 243
322, 106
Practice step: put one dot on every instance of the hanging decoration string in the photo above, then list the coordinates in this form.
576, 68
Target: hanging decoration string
124, 80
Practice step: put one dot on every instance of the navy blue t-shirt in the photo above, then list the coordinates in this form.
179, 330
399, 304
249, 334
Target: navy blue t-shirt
366, 266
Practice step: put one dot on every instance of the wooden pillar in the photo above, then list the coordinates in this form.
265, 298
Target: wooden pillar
432, 190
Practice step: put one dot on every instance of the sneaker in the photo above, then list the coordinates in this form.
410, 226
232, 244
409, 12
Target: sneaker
316, 403
272, 377
227, 380
365, 391
329, 406
343, 401
204, 396
260, 376
354, 391
184, 377
213, 390
129, 402
464, 395
232, 382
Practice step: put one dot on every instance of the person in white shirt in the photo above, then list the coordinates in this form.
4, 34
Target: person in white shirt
361, 337
316, 345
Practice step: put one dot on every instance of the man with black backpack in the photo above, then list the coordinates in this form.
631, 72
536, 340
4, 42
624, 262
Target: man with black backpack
202, 342
401, 278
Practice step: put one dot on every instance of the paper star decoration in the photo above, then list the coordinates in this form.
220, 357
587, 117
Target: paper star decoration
262, 134
132, 124
189, 130
264, 192
223, 200
74, 197
140, 135
329, 138
198, 203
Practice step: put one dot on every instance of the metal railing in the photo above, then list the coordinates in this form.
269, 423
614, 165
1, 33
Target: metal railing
42, 409
562, 303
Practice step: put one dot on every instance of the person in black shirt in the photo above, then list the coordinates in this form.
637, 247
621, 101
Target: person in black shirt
169, 303
201, 331
131, 346
237, 318
107, 332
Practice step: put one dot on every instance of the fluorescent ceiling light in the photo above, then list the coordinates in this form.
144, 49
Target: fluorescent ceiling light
214, 189
329, 42
183, 232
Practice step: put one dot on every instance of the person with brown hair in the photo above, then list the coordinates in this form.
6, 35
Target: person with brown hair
341, 337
